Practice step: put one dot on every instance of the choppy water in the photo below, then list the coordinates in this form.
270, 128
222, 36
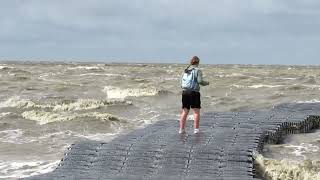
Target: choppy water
44, 107
297, 158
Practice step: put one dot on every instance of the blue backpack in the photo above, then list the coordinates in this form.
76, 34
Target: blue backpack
189, 79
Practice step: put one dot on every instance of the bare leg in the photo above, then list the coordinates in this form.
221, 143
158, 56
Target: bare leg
183, 117
196, 116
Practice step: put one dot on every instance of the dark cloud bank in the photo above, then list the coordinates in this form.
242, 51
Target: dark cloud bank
229, 31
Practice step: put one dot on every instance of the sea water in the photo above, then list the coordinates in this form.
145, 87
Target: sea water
45, 107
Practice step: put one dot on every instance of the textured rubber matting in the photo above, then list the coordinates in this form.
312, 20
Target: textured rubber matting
223, 149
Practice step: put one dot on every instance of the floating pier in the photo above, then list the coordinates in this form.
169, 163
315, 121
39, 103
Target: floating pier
224, 149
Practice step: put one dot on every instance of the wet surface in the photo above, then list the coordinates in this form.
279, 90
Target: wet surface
224, 149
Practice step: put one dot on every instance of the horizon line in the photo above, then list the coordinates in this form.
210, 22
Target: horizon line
69, 61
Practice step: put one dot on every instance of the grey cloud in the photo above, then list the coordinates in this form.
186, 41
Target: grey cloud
159, 28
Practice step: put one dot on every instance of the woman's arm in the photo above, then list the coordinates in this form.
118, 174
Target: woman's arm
200, 79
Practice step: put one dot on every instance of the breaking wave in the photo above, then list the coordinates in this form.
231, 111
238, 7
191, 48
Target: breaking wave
4, 114
303, 148
80, 104
14, 136
17, 102
44, 117
106, 74
256, 86
118, 93
25, 169
99, 136
283, 87
85, 67
4, 67
235, 75
295, 87
271, 169
86, 104
310, 101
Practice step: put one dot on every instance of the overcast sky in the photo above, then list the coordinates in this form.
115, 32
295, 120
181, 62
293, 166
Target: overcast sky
218, 31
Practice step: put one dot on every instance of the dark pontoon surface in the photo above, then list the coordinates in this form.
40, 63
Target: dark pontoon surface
223, 149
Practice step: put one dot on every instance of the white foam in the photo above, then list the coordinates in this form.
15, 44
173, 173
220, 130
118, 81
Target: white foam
118, 93
286, 78
102, 116
235, 75
17, 102
312, 86
80, 104
14, 136
22, 169
4, 67
303, 148
171, 78
256, 86
309, 101
238, 86
4, 114
105, 74
264, 86
85, 67
44, 117
285, 169
98, 136
86, 104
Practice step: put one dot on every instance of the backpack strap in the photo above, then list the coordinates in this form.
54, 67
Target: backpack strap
196, 74
186, 69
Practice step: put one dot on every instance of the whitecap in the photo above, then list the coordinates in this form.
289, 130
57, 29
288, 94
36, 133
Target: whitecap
285, 169
80, 104
85, 67
309, 101
102, 116
14, 136
4, 114
282, 78
170, 78
118, 93
99, 136
105, 74
86, 104
44, 117
22, 169
238, 86
311, 86
297, 150
17, 102
236, 75
4, 67
256, 86
264, 86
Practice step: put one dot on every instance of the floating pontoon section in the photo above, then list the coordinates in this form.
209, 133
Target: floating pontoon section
223, 149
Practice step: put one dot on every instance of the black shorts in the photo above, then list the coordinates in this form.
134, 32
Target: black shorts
191, 99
